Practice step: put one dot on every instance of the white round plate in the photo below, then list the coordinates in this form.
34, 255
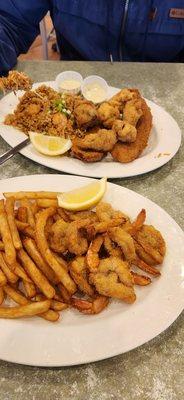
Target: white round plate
164, 142
78, 338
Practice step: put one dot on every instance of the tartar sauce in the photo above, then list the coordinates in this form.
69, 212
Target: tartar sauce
94, 92
70, 84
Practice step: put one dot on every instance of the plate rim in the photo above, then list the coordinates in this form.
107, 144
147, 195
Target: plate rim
63, 364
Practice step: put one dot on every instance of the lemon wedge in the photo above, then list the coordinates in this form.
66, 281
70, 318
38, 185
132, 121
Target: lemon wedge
50, 145
83, 198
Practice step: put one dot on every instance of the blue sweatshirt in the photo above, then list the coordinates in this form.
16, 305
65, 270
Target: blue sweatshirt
125, 30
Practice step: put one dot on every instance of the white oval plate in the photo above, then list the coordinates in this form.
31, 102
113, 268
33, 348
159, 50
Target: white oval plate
164, 142
77, 338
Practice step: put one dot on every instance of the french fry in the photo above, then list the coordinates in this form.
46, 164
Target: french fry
20, 272
21, 226
141, 280
30, 246
146, 267
50, 315
29, 232
11, 277
34, 207
41, 241
35, 308
30, 289
1, 245
31, 195
30, 216
60, 260
36, 275
1, 295
9, 207
22, 214
6, 235
24, 228
16, 295
54, 304
3, 279
64, 293
20, 299
44, 203
60, 272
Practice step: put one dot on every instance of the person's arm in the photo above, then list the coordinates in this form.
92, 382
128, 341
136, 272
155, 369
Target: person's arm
19, 26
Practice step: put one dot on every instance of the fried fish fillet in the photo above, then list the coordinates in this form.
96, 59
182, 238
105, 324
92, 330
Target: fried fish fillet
127, 152
103, 140
86, 155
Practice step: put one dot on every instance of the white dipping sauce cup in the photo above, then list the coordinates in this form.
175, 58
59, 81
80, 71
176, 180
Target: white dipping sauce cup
68, 75
99, 81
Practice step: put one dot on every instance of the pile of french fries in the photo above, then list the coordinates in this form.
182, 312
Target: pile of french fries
34, 273
25, 275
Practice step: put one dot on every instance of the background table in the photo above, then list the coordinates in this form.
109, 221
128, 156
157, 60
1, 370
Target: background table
153, 371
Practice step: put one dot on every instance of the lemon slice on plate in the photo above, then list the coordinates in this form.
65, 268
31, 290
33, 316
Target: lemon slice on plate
50, 145
83, 198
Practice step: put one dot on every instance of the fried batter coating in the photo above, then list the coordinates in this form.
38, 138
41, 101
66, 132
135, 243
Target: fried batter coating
78, 271
128, 152
143, 255
125, 132
57, 236
103, 140
78, 215
119, 99
106, 213
114, 279
86, 155
85, 114
125, 241
76, 242
112, 248
92, 256
152, 242
132, 111
107, 114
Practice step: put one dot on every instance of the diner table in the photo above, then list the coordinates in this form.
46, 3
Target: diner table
154, 370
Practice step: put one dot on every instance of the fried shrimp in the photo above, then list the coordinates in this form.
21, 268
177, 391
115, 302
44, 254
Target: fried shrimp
114, 279
79, 273
107, 114
106, 213
103, 140
112, 248
90, 307
127, 152
57, 236
76, 242
78, 215
135, 226
152, 242
92, 256
125, 132
124, 241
